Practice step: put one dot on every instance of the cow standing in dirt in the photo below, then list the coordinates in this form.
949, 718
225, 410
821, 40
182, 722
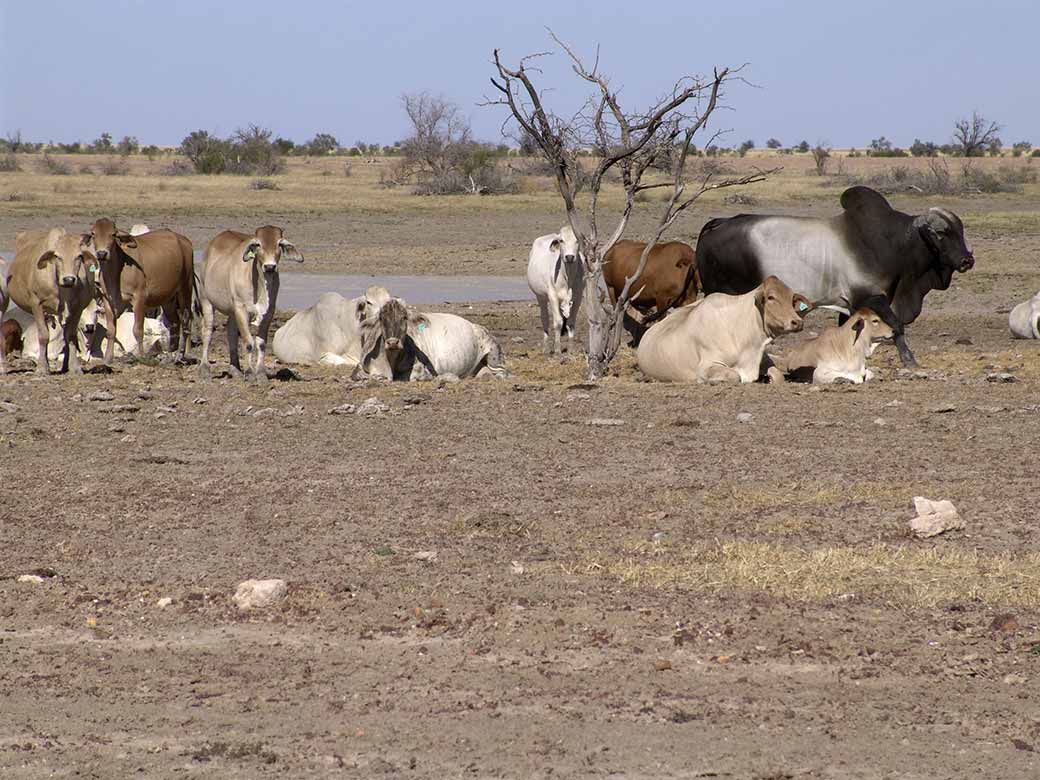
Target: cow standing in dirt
241, 281
50, 278
669, 279
556, 276
155, 269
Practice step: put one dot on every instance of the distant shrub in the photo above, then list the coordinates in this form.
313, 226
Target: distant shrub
745, 147
921, 148
86, 170
263, 184
1036, 153
740, 199
16, 197
321, 145
151, 151
9, 163
773, 143
54, 166
939, 179
803, 147
176, 168
821, 155
114, 167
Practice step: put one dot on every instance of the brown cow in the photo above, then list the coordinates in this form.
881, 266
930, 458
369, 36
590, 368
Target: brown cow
50, 276
141, 273
668, 280
10, 338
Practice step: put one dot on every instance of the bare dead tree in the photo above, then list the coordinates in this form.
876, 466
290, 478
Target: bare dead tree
973, 136
631, 142
821, 154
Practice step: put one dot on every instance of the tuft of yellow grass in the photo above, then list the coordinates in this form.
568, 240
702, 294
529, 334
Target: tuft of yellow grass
905, 575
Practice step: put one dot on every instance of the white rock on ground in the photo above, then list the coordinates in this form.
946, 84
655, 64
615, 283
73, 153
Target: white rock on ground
934, 517
257, 594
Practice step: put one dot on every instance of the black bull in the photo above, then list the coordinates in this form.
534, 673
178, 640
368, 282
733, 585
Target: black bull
869, 255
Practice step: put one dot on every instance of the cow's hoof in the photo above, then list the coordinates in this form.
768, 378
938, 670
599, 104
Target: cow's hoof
261, 379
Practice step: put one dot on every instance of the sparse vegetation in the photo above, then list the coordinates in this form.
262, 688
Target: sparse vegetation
263, 184
54, 166
821, 153
9, 163
974, 135
114, 167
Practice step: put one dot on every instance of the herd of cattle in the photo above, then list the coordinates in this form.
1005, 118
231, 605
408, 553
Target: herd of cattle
760, 276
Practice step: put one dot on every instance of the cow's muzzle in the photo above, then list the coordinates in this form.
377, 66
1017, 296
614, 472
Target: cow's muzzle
568, 259
102, 254
967, 263
393, 343
270, 268
67, 281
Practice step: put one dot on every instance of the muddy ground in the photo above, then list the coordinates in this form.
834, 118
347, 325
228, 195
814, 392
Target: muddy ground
673, 594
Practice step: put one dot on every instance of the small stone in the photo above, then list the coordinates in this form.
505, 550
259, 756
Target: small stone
166, 408
7, 406
121, 409
892, 404
372, 407
880, 421
257, 594
934, 517
35, 579
662, 665
658, 537
965, 341
100, 395
517, 339
1001, 377
516, 567
128, 439
942, 409
164, 602
144, 395
1014, 679
116, 428
426, 556
606, 421
343, 409
578, 397
267, 411
200, 400
745, 417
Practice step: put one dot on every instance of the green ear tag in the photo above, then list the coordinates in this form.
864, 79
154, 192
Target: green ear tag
422, 326
802, 306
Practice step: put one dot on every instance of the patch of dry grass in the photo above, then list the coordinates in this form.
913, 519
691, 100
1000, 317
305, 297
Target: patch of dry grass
911, 575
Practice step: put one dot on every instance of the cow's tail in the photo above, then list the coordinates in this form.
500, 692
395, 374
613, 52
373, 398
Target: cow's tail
196, 297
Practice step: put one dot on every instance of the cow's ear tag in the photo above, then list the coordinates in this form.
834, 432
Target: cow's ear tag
422, 326
802, 306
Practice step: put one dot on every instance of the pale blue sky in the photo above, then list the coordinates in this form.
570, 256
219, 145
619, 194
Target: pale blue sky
838, 71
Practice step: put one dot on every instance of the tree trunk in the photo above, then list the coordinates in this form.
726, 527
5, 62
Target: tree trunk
604, 332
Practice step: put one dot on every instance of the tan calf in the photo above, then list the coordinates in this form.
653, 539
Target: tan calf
840, 352
50, 277
241, 281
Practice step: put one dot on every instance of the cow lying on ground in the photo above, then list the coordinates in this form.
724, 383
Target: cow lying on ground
839, 352
242, 282
156, 334
869, 255
722, 338
142, 272
329, 332
50, 277
669, 279
1024, 320
556, 276
404, 345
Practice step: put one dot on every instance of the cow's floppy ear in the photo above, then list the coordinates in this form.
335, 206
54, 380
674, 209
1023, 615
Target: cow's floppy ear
857, 328
929, 225
760, 300
556, 244
45, 258
290, 254
126, 241
250, 254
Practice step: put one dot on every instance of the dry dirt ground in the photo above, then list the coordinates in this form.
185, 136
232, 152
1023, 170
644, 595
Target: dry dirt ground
485, 583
